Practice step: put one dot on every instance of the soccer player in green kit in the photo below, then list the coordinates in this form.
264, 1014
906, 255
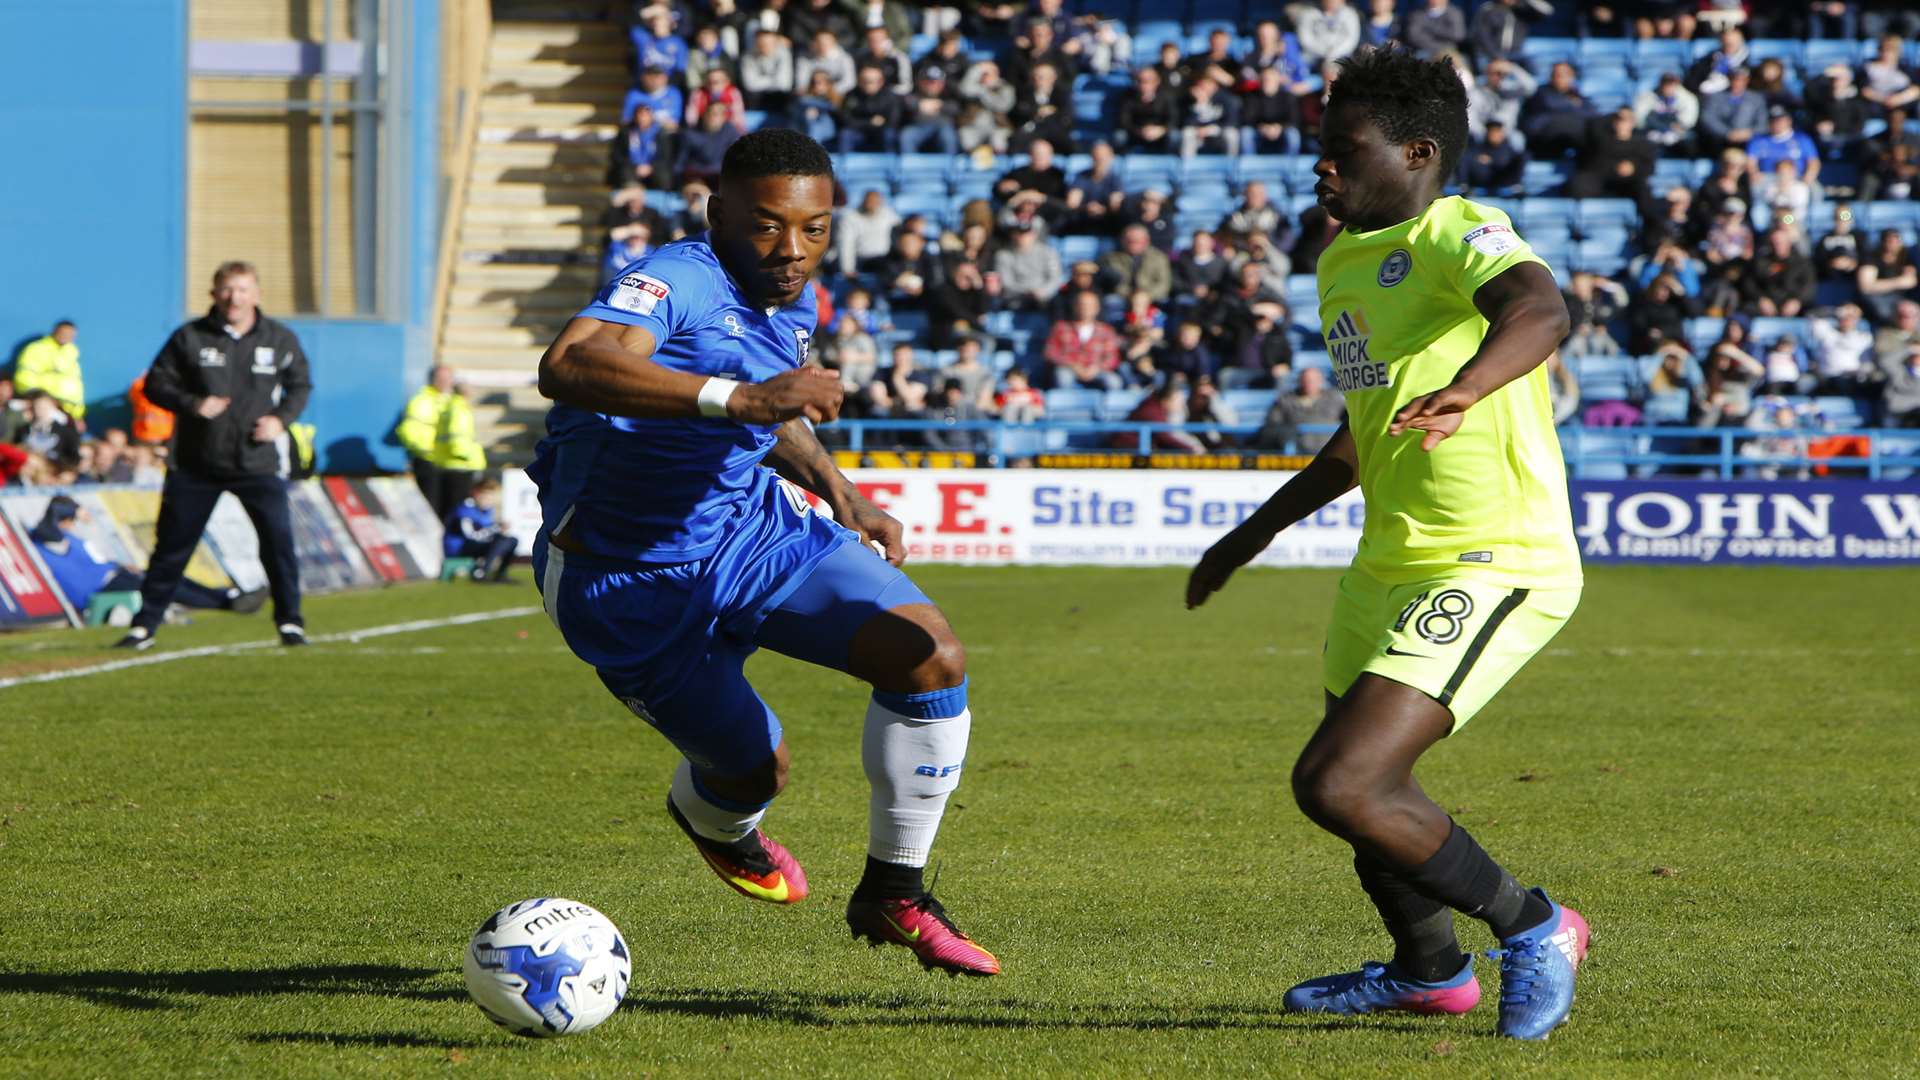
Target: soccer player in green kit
1439, 320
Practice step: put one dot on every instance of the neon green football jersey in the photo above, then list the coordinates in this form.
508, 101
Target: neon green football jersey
1396, 305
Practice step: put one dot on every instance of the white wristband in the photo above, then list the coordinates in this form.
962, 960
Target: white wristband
714, 394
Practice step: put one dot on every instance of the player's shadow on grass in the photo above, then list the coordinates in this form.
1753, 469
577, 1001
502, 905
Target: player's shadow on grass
813, 1009
146, 991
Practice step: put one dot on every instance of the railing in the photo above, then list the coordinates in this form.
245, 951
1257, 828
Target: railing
1722, 452
468, 31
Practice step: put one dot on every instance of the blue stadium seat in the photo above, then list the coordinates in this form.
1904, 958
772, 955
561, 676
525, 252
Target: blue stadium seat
1841, 412
1116, 404
1312, 358
1544, 212
913, 166
1303, 292
910, 320
1703, 332
1149, 33
969, 186
1655, 57
1668, 408
1603, 255
1579, 442
1669, 173
1545, 177
937, 206
1612, 52
1073, 249
1207, 168
1074, 405
1597, 215
1089, 107
851, 165
1817, 56
1540, 53
1791, 52
1270, 169
1901, 214
1768, 329
1142, 171
1248, 405
935, 186
1604, 378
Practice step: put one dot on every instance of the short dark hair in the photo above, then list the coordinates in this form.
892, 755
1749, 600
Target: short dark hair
65, 324
774, 152
1409, 98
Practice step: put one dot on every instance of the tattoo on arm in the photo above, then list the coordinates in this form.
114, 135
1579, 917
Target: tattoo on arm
799, 457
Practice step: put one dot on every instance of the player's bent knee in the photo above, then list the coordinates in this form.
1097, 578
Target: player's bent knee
947, 666
1333, 796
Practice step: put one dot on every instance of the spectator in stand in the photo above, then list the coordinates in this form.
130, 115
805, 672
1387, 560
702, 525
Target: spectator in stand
1787, 197
1728, 181
1166, 404
904, 374
1041, 174
1900, 393
870, 315
811, 18
1617, 162
13, 412
767, 73
1781, 281
1592, 302
1257, 214
1729, 255
1229, 315
656, 45
1893, 173
971, 371
1258, 250
1895, 340
1843, 352
1093, 201
1044, 113
987, 103
949, 55
1668, 114
1731, 375
879, 52
1493, 165
1886, 81
1785, 375
1672, 257
872, 115
1732, 116
1838, 113
707, 53
1137, 264
1309, 404
1837, 255
1271, 116
49, 432
692, 215
1555, 118
910, 271
1018, 402
930, 126
110, 462
959, 304
1206, 405
1672, 221
1273, 48
1769, 80
1083, 350
1382, 24
643, 152
1499, 32
1172, 69
827, 55
1499, 95
1434, 30
1149, 210
1029, 269
1713, 72
1263, 356
851, 352
1658, 318
668, 101
1886, 276
472, 531
626, 245
1148, 115
1329, 30
816, 109
864, 234
1187, 355
1039, 47
952, 408
1782, 143
1217, 64
1210, 122
718, 89
897, 18
52, 364
1201, 270
702, 148
1082, 276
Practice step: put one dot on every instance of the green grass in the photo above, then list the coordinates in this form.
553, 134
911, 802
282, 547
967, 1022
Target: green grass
266, 863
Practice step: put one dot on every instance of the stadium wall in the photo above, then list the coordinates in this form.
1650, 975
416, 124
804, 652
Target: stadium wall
94, 113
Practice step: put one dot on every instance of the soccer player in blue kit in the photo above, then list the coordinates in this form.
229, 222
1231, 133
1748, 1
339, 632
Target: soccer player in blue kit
667, 553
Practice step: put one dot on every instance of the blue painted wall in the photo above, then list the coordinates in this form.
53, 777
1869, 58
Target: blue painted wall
93, 113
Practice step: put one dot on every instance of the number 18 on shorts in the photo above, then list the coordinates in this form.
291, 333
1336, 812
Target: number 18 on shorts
1454, 638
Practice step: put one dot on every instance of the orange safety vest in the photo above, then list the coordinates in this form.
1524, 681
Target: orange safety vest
151, 423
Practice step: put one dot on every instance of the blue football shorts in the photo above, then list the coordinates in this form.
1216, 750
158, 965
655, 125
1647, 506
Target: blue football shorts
670, 640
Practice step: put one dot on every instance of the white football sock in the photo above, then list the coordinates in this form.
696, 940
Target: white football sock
711, 816
913, 763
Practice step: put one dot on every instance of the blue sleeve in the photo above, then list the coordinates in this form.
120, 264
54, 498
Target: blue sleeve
666, 294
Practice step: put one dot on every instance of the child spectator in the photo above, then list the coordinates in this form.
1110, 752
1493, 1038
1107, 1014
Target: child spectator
49, 432
473, 532
1018, 402
81, 572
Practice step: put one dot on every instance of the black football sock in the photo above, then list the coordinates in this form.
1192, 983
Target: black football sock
1424, 947
890, 881
1465, 878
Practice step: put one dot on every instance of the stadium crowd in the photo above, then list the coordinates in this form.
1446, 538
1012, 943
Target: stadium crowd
1053, 211
44, 440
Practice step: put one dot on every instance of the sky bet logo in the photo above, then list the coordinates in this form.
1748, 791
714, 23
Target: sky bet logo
1353, 368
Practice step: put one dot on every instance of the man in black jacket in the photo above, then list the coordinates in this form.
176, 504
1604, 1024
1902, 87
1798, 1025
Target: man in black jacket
234, 379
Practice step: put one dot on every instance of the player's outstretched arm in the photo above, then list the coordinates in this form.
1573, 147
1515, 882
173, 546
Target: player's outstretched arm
1527, 320
607, 368
1332, 473
799, 457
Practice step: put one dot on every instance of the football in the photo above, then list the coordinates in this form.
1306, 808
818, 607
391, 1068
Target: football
547, 967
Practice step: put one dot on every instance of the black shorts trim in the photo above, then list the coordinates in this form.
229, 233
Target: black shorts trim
1479, 643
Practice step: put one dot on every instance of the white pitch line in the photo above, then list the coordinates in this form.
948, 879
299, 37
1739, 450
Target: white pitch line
348, 636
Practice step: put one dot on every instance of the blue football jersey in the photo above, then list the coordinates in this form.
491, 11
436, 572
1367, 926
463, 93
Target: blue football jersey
655, 490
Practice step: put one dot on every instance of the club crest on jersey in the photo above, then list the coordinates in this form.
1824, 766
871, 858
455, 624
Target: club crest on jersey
1394, 268
733, 325
1353, 367
211, 357
1495, 239
638, 293
803, 341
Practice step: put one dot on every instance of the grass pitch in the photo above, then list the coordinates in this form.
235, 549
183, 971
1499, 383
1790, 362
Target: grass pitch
267, 862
